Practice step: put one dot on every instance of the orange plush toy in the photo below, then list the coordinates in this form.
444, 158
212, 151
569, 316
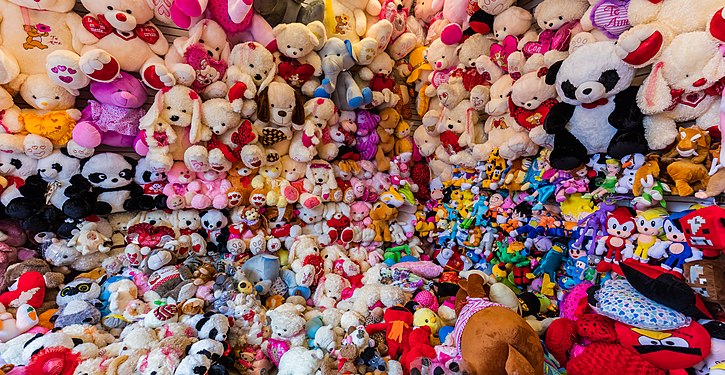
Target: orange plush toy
491, 338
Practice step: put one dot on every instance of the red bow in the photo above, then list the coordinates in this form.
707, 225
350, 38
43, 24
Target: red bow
100, 28
596, 104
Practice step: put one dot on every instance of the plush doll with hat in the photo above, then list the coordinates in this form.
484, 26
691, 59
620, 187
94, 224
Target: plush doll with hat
114, 40
112, 117
31, 31
598, 112
200, 60
678, 91
299, 63
237, 18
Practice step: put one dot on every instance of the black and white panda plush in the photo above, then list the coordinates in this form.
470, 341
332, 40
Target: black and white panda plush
598, 110
45, 194
152, 182
16, 168
111, 177
210, 326
215, 223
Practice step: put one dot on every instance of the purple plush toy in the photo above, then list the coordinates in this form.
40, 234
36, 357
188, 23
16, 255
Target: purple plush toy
367, 136
112, 119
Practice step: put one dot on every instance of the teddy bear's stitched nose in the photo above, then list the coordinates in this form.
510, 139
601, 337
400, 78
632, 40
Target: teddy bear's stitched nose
174, 118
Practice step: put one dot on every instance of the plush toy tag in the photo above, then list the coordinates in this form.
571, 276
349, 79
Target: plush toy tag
99, 27
610, 16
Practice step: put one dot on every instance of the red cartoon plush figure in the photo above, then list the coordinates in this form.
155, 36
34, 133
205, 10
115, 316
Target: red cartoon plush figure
398, 323
669, 350
30, 289
418, 346
620, 227
705, 230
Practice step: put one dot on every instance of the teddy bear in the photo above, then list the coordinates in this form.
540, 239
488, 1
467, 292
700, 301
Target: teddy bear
594, 117
378, 76
443, 59
517, 22
312, 214
457, 132
240, 177
320, 181
381, 214
559, 22
200, 60
233, 136
52, 114
210, 187
112, 117
114, 40
655, 25
288, 330
305, 260
389, 121
180, 108
253, 61
348, 19
237, 18
299, 361
329, 290
678, 91
32, 32
299, 63
468, 54
277, 191
177, 189
530, 102
313, 138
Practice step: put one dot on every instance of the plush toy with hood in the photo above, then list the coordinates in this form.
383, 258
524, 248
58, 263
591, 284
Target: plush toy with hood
684, 86
114, 39
299, 62
289, 11
179, 108
236, 17
200, 60
656, 24
338, 57
112, 117
31, 31
598, 112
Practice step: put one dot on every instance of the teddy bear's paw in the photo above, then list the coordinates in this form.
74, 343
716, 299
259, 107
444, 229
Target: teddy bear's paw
640, 46
234, 198
659, 135
99, 65
158, 77
581, 39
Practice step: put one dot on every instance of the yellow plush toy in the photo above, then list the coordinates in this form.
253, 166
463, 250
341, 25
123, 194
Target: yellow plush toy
427, 317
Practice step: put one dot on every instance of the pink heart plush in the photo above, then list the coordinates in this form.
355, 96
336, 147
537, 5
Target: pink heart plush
500, 52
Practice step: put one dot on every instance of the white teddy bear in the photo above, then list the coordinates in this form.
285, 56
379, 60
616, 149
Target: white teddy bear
300, 361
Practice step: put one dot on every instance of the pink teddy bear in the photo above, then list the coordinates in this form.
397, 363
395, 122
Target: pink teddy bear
362, 190
177, 190
236, 17
211, 187
360, 214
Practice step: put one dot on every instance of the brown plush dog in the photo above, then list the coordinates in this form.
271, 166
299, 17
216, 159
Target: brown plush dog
381, 214
496, 340
389, 119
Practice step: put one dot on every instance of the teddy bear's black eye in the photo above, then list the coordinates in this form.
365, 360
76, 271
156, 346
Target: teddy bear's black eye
288, 46
169, 107
34, 97
561, 18
128, 11
609, 79
183, 111
251, 65
216, 49
57, 97
504, 29
265, 72
536, 98
126, 173
219, 223
97, 177
109, 7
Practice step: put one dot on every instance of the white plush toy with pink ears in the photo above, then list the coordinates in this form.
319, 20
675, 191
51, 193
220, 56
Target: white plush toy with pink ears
115, 36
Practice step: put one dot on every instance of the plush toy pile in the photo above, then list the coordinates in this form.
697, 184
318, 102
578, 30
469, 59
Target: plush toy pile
362, 187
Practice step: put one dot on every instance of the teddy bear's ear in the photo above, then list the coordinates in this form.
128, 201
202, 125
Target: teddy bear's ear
131, 160
553, 72
279, 29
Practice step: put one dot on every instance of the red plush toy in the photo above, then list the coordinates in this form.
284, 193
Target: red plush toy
398, 323
705, 230
29, 288
418, 346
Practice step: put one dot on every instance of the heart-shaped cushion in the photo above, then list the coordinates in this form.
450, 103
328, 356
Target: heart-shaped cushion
57, 126
28, 289
145, 234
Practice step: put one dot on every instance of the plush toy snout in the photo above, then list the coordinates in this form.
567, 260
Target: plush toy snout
121, 21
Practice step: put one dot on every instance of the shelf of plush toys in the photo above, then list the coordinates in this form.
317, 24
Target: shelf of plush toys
232, 194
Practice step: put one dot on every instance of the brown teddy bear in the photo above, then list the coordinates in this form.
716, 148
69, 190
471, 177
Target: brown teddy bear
494, 339
716, 185
347, 356
686, 162
389, 120
381, 215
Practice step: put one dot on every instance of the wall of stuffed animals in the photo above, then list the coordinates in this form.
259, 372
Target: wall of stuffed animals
421, 187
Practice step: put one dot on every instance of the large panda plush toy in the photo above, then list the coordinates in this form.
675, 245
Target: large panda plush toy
112, 180
598, 110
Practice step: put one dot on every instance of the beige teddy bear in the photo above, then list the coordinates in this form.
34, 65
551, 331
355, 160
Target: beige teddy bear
299, 62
